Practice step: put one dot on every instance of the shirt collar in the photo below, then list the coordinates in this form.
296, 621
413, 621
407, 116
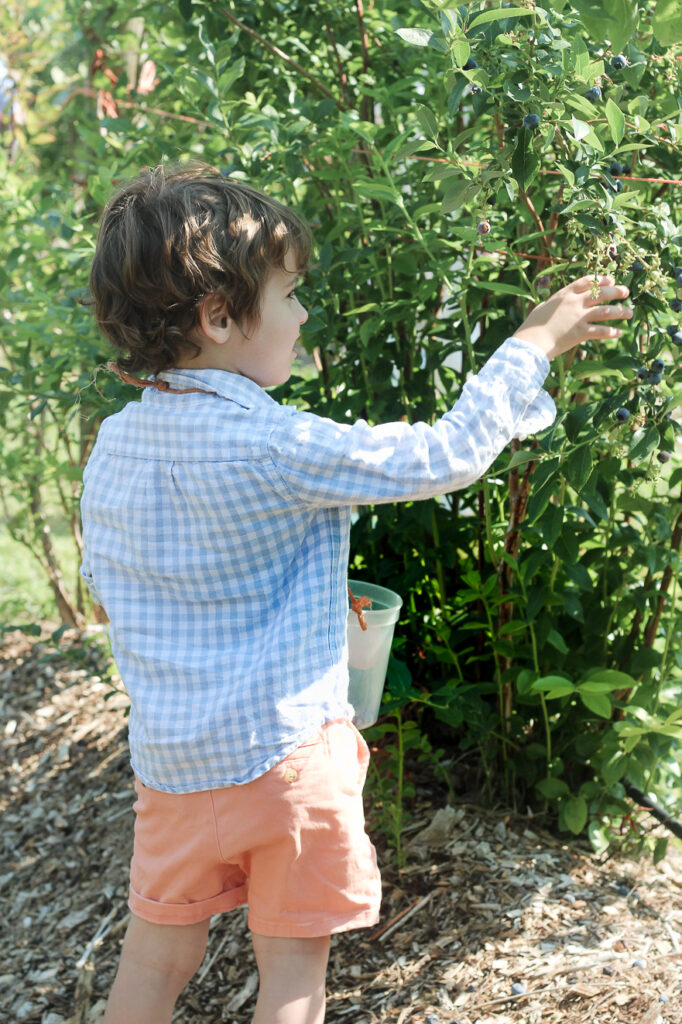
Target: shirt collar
232, 386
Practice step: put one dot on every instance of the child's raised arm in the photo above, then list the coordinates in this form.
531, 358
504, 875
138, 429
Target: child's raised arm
323, 463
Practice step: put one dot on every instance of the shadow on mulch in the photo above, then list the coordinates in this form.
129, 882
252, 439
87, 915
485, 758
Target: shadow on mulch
490, 921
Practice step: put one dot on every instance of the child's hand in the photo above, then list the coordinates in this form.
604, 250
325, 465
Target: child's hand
570, 316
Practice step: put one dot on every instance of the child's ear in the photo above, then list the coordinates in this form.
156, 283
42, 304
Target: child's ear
214, 318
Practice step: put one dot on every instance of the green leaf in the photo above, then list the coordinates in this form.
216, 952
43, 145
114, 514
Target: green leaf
661, 847
520, 458
553, 686
552, 788
614, 116
556, 640
574, 814
524, 163
421, 37
667, 21
499, 14
501, 288
456, 196
460, 51
578, 466
427, 121
644, 441
378, 190
597, 703
609, 677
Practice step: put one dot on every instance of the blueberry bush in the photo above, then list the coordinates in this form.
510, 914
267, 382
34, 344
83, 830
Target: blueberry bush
457, 164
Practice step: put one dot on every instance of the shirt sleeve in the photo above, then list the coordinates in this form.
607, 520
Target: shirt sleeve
324, 463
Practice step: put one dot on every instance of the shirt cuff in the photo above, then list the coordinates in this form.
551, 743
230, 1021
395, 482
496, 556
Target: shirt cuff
530, 367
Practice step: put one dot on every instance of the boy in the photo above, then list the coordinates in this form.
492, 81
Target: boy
216, 529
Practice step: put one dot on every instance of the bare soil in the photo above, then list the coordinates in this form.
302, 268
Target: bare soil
486, 901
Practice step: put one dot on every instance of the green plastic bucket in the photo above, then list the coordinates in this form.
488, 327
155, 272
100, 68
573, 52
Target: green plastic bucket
369, 650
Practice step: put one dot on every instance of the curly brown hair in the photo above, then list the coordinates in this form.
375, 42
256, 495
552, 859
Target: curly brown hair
173, 235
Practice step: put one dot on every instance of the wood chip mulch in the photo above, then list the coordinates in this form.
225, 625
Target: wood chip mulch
492, 920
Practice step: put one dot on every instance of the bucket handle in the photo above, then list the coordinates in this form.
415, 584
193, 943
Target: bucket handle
357, 604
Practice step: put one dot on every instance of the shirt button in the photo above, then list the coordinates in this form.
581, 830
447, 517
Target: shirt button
290, 774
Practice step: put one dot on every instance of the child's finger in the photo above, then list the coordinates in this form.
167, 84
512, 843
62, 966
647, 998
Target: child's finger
583, 283
608, 313
596, 331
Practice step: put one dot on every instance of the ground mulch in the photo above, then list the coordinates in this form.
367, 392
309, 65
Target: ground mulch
491, 920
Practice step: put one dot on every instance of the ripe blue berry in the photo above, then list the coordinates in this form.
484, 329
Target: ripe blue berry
483, 227
619, 62
636, 266
470, 65
672, 329
658, 366
543, 281
663, 456
677, 337
531, 121
675, 305
518, 989
622, 415
677, 273
593, 94
627, 169
655, 378
616, 168
642, 373
617, 186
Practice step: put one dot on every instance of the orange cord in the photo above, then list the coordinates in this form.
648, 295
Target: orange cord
357, 604
160, 385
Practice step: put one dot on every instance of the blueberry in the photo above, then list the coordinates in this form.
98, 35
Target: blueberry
642, 373
676, 305
617, 186
672, 329
470, 65
622, 415
431, 1018
637, 265
677, 273
658, 366
619, 62
543, 281
593, 94
624, 890
627, 169
518, 989
615, 168
531, 121
677, 337
655, 378
663, 456
483, 227
639, 963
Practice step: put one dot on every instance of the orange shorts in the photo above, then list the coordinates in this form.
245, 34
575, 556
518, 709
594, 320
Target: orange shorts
292, 844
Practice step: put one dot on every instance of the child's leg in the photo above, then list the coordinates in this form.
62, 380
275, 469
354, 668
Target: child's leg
292, 979
157, 961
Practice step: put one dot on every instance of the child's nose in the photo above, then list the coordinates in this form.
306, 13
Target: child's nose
303, 314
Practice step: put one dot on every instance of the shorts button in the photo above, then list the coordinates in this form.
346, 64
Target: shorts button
290, 774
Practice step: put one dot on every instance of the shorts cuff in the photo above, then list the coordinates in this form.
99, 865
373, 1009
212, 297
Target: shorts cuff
185, 913
312, 929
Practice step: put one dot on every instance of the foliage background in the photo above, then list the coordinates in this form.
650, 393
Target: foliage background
540, 642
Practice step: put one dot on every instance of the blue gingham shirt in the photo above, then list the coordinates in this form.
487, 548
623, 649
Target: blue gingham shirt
216, 531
